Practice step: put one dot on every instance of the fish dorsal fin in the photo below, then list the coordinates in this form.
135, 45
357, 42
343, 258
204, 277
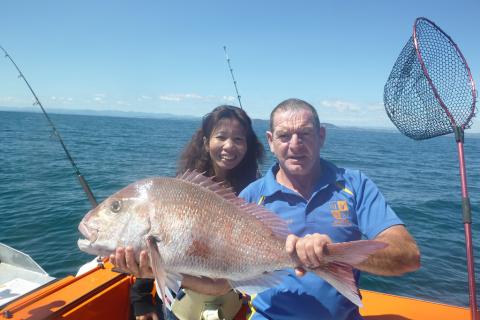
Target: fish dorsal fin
193, 176
278, 226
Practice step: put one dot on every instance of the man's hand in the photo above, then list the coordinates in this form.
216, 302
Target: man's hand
309, 250
124, 260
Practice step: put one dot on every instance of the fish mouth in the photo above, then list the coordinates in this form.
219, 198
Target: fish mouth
90, 234
85, 245
88, 245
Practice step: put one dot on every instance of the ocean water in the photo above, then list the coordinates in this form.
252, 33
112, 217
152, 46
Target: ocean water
41, 201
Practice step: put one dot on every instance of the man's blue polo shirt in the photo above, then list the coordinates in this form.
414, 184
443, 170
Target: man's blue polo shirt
346, 205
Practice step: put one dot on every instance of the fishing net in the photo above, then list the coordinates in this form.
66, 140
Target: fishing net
430, 90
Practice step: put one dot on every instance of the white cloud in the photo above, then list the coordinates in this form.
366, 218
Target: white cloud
61, 99
99, 97
228, 98
340, 105
194, 96
376, 106
8, 99
179, 97
122, 103
357, 113
169, 98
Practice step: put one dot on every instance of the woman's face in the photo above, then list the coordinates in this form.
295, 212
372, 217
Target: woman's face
227, 145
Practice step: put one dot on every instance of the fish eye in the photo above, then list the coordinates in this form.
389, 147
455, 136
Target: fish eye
116, 206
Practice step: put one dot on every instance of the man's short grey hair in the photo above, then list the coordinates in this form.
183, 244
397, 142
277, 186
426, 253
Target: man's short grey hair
293, 104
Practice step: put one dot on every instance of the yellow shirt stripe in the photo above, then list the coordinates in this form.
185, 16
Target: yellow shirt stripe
344, 189
252, 308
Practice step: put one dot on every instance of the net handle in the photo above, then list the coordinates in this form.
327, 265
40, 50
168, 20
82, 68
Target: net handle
425, 72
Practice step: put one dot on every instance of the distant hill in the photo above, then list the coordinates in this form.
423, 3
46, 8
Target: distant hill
126, 114
107, 113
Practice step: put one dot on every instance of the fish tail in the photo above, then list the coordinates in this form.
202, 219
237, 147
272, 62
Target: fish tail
340, 259
340, 276
353, 252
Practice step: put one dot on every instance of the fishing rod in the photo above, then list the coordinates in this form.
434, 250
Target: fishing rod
82, 180
259, 174
233, 78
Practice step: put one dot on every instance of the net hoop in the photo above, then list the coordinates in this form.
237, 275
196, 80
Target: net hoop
430, 91
432, 85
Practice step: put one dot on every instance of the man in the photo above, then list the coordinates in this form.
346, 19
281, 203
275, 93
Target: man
322, 204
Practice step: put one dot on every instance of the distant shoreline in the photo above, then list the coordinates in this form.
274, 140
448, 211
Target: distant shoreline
108, 113
121, 114
151, 115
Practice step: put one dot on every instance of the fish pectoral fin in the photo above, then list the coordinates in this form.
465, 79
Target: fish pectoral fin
173, 281
340, 276
260, 283
157, 264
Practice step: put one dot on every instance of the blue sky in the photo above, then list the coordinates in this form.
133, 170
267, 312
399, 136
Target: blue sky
159, 56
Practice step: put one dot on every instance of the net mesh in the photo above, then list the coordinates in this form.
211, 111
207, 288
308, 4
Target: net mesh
409, 97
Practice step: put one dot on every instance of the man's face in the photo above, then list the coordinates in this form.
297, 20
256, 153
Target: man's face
296, 141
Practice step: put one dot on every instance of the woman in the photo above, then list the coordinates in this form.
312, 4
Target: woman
224, 147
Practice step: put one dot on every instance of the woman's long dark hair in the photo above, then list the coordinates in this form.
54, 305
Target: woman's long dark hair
195, 156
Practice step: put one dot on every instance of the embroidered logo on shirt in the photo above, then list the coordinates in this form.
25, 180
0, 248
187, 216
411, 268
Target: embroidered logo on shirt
340, 213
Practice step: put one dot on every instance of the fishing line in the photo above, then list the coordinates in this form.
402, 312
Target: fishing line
81, 179
259, 174
233, 78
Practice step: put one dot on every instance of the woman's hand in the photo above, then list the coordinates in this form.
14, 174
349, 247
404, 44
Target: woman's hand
124, 260
147, 316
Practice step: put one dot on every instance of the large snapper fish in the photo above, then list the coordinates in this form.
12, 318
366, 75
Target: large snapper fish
192, 225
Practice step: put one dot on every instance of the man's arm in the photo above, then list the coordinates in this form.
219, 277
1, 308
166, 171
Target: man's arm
402, 254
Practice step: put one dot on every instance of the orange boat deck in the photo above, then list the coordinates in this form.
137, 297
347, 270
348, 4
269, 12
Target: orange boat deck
97, 294
103, 294
382, 306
